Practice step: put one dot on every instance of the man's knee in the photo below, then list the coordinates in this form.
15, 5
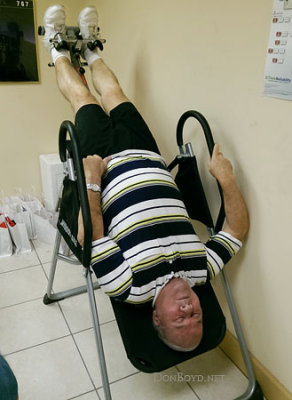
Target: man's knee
83, 99
112, 97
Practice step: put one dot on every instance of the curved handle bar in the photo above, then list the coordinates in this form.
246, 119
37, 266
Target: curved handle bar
210, 143
204, 124
67, 126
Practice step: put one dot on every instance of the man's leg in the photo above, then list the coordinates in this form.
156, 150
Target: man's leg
99, 133
71, 85
104, 80
107, 85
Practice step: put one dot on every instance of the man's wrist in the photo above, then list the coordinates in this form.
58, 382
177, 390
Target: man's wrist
93, 178
94, 187
227, 182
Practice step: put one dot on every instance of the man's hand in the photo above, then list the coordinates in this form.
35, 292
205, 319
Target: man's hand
220, 167
237, 219
94, 168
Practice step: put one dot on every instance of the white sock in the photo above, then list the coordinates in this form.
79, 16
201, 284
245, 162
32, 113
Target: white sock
91, 56
59, 53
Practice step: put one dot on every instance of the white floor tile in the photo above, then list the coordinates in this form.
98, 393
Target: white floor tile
30, 324
67, 276
52, 371
147, 386
44, 250
214, 374
118, 365
22, 285
88, 396
17, 261
77, 310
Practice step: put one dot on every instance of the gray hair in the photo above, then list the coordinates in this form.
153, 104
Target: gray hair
161, 334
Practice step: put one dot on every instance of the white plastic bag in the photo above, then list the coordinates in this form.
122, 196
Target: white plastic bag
5, 240
18, 235
24, 215
27, 218
45, 226
27, 211
21, 209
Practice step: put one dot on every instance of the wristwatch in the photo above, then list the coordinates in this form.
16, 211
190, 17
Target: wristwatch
94, 187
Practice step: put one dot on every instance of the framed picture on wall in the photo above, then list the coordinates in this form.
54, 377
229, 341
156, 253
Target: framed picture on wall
18, 55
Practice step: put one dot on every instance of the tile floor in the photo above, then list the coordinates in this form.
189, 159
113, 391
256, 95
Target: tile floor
52, 350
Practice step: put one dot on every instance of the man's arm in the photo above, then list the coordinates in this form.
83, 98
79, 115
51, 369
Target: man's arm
94, 168
237, 219
107, 261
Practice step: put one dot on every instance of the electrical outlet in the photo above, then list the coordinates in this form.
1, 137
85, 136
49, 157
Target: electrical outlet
287, 4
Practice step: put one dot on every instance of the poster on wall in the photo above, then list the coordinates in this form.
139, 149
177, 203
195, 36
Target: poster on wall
278, 71
18, 55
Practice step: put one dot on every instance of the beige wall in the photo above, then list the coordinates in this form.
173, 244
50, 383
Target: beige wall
190, 54
172, 56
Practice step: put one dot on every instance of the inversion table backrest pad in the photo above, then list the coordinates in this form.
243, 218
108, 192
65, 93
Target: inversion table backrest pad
143, 347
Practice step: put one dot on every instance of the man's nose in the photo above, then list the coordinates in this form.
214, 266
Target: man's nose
186, 307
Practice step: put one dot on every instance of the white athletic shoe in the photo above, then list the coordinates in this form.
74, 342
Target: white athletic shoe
54, 22
88, 23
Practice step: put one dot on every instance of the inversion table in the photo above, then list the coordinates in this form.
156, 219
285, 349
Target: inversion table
144, 349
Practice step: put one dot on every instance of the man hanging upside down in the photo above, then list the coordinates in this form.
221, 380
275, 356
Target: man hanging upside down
144, 248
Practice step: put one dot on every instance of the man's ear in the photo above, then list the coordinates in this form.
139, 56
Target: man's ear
155, 318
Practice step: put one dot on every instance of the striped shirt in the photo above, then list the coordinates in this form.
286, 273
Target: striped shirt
149, 236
